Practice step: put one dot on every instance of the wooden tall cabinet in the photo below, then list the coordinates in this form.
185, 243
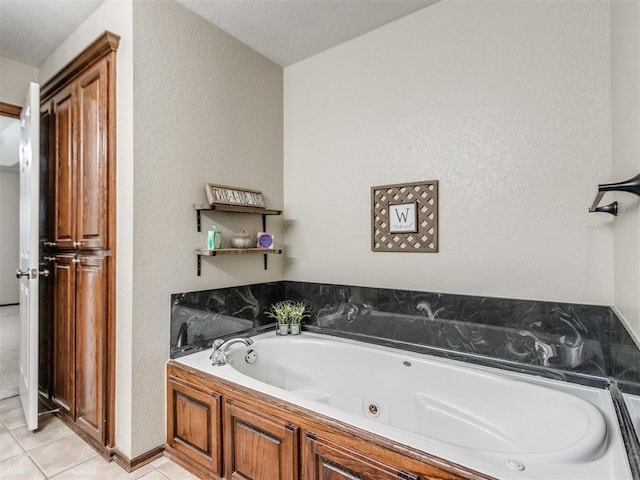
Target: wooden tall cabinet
79, 162
78, 244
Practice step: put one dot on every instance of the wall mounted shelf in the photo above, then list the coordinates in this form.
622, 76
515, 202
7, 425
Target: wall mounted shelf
235, 209
203, 252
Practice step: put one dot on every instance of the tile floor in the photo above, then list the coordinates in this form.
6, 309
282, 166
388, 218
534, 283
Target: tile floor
9, 350
55, 452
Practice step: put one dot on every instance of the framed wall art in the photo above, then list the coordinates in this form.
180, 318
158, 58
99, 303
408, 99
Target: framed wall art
221, 194
405, 217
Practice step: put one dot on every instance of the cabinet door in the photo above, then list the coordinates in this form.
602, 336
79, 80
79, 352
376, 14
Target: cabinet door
91, 344
324, 460
63, 169
258, 446
92, 179
45, 330
63, 275
194, 428
46, 144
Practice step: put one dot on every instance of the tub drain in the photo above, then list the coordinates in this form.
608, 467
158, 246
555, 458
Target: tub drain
514, 465
374, 409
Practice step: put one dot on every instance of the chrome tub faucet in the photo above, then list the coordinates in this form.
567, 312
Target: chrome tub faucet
218, 356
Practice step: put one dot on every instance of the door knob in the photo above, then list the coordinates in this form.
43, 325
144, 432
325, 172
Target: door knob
44, 273
22, 273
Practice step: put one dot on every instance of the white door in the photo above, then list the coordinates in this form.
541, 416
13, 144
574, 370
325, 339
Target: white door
28, 271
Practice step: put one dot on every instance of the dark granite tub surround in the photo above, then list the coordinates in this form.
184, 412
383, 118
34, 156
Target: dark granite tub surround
582, 343
625, 359
562, 336
198, 318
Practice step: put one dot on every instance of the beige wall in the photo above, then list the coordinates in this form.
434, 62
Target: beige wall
505, 103
14, 80
9, 238
625, 74
207, 109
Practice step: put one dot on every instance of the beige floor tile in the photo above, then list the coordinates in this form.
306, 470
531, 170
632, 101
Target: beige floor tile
140, 472
3, 429
9, 447
9, 403
159, 461
175, 472
13, 418
61, 455
154, 475
19, 467
50, 429
99, 469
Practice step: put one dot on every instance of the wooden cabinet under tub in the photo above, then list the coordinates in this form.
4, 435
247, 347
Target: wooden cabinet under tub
258, 446
220, 430
194, 427
325, 460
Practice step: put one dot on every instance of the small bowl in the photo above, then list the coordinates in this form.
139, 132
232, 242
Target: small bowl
242, 242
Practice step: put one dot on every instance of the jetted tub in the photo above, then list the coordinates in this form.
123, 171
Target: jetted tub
500, 423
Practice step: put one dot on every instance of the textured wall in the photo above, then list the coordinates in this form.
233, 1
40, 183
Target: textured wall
14, 80
207, 109
505, 103
625, 77
9, 239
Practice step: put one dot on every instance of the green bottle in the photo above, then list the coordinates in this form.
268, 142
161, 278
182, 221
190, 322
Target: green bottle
211, 238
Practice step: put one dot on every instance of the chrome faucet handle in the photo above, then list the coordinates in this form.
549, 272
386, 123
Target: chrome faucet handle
218, 358
216, 349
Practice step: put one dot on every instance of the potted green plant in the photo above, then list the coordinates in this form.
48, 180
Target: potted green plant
297, 312
280, 311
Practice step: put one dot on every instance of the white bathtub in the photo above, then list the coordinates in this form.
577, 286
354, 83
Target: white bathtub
489, 420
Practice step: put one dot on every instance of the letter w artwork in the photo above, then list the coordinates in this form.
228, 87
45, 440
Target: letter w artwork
403, 218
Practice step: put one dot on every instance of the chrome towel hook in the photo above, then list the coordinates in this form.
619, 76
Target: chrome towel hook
632, 186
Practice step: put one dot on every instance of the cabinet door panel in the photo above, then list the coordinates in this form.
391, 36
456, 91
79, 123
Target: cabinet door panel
45, 331
64, 221
258, 447
46, 143
63, 276
194, 427
91, 343
92, 161
324, 460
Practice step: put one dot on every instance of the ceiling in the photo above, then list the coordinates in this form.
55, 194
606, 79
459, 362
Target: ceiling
30, 30
285, 31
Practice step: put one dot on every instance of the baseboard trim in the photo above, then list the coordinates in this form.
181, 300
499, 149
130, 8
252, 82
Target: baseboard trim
104, 451
108, 453
134, 463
